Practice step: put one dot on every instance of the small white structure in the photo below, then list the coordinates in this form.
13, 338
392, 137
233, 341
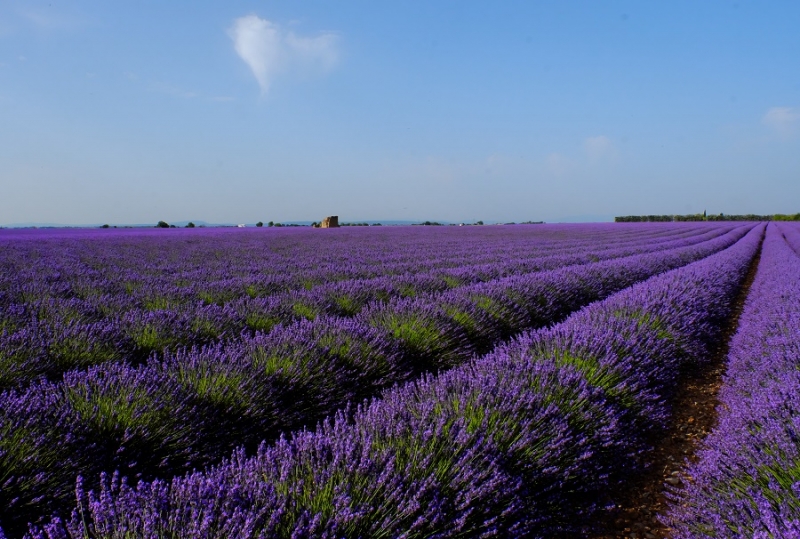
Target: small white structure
239, 226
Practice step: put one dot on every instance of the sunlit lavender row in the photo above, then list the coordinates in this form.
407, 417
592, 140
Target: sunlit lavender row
747, 480
524, 440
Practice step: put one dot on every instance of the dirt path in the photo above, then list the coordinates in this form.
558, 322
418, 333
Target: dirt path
694, 415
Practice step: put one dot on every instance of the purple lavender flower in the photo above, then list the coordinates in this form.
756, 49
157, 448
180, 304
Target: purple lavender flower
523, 441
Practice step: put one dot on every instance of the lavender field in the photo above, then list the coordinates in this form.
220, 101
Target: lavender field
495, 381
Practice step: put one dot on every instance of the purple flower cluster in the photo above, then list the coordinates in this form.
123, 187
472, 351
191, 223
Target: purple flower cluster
189, 407
747, 480
522, 442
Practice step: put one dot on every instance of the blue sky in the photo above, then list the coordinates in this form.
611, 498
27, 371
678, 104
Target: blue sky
238, 111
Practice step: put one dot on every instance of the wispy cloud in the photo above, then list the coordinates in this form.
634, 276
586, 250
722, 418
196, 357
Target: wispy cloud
782, 119
316, 53
599, 147
269, 50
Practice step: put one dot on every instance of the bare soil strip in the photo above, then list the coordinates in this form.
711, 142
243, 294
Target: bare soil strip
694, 415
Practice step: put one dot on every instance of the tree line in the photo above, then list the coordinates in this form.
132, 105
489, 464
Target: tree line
704, 217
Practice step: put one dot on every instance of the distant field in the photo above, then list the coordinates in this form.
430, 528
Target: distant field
379, 382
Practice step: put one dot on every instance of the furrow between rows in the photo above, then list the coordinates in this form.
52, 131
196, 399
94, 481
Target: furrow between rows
637, 509
745, 480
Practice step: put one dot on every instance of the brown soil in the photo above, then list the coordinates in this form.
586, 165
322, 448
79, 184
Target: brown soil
694, 415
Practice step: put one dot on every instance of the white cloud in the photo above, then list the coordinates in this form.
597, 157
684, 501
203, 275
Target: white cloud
782, 119
269, 50
599, 147
258, 42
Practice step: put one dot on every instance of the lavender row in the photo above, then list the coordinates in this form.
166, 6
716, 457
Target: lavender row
195, 405
58, 339
746, 482
791, 233
523, 442
125, 262
97, 299
182, 273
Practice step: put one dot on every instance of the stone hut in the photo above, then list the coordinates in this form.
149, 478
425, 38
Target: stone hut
330, 222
